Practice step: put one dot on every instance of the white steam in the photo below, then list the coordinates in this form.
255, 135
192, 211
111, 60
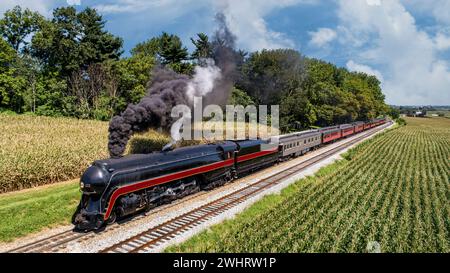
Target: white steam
200, 85
203, 81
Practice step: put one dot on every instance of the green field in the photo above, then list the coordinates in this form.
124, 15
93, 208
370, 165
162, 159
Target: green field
393, 189
30, 211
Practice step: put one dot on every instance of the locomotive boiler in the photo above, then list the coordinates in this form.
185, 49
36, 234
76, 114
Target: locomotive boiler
118, 187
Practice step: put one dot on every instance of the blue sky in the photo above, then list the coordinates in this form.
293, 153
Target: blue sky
405, 43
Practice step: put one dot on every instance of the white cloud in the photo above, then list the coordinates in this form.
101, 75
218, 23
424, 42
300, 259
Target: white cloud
373, 2
442, 41
42, 6
158, 8
439, 9
389, 38
353, 66
245, 18
73, 2
322, 37
138, 6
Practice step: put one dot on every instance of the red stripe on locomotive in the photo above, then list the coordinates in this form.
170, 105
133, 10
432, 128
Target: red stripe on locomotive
179, 175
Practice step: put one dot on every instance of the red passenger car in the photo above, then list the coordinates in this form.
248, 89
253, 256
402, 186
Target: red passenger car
359, 126
330, 134
347, 130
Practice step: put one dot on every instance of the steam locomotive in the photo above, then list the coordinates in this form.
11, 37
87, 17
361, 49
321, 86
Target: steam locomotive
117, 187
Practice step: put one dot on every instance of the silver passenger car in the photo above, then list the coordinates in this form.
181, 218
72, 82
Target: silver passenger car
298, 143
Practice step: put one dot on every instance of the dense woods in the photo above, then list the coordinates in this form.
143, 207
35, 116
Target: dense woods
69, 65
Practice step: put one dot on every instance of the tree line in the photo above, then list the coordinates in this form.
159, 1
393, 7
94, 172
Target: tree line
70, 65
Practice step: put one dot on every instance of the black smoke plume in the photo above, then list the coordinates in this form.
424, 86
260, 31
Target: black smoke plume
153, 111
225, 57
168, 89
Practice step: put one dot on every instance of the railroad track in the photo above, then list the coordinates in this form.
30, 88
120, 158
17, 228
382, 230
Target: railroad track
162, 233
59, 241
150, 239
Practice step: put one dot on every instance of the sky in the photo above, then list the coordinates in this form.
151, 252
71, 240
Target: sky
405, 43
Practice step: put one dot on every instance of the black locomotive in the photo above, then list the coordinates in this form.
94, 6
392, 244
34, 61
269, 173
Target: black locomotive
121, 186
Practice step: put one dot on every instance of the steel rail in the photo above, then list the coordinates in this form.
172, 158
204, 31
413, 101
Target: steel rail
57, 241
155, 236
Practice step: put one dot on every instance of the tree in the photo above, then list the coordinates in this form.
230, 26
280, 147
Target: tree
30, 70
241, 57
150, 47
359, 94
96, 44
203, 48
239, 97
7, 56
330, 95
16, 26
168, 50
11, 85
74, 41
172, 50
52, 97
57, 44
269, 74
133, 74
296, 111
393, 112
87, 85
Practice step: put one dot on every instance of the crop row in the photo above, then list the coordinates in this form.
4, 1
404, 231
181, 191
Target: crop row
394, 190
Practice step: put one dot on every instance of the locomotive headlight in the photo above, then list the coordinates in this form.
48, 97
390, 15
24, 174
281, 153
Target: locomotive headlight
81, 185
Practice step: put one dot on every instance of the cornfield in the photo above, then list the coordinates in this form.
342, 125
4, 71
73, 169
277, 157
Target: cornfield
42, 150
393, 191
38, 150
